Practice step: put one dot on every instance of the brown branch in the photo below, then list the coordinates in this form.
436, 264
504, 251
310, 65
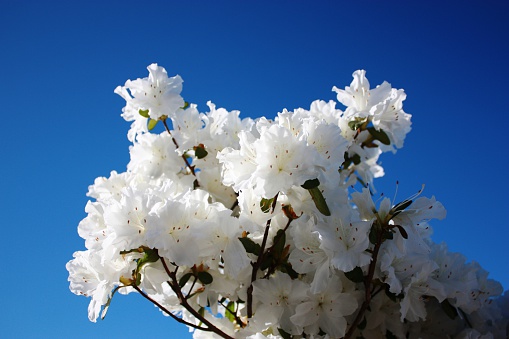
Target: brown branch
258, 262
188, 165
277, 239
367, 286
183, 301
165, 310
237, 319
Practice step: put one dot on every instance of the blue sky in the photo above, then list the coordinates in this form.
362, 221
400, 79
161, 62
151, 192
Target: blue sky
60, 61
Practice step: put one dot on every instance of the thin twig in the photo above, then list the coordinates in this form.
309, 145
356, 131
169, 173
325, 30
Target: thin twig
367, 287
192, 286
165, 310
258, 262
188, 165
237, 319
183, 301
277, 239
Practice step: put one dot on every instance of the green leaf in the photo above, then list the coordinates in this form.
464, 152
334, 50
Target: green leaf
284, 335
355, 275
151, 255
398, 208
134, 250
200, 151
311, 183
356, 123
347, 161
450, 310
356, 159
373, 234
394, 297
201, 311
144, 113
388, 235
185, 278
404, 234
288, 269
390, 335
152, 123
267, 260
138, 279
319, 201
107, 305
250, 246
362, 324
266, 204
186, 105
230, 313
205, 277
379, 135
279, 243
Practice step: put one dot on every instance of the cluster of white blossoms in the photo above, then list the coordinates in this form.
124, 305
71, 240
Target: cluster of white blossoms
244, 228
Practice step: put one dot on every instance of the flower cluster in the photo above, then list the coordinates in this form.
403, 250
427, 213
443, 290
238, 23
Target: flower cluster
243, 228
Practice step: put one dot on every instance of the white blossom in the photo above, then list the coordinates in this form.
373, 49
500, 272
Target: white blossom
220, 221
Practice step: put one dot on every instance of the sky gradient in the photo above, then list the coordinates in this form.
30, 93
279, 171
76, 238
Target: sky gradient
60, 62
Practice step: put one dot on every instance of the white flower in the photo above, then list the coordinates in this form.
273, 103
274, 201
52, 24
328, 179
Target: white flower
391, 118
398, 269
239, 165
194, 229
308, 257
325, 111
357, 95
105, 189
346, 240
274, 163
93, 228
186, 127
210, 180
326, 310
170, 229
382, 106
222, 128
283, 161
127, 221
224, 234
454, 274
383, 315
328, 141
421, 286
157, 94
91, 276
279, 296
154, 155
422, 209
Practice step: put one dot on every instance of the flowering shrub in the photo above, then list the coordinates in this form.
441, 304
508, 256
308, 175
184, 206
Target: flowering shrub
242, 228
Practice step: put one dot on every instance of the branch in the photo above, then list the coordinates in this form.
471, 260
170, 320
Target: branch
183, 301
367, 286
256, 265
188, 165
277, 239
165, 310
237, 319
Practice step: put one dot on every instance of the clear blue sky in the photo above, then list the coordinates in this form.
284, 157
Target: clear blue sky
60, 61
